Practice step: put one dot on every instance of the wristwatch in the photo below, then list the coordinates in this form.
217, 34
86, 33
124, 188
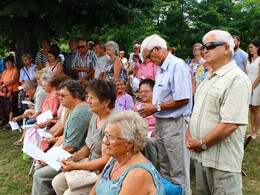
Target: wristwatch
203, 146
158, 107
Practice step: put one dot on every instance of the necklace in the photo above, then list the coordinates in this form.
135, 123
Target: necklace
116, 168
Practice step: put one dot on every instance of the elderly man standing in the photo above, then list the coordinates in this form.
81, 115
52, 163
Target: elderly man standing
171, 106
218, 122
85, 62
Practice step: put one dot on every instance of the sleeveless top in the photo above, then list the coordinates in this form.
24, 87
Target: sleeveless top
95, 137
109, 70
54, 68
113, 187
8, 75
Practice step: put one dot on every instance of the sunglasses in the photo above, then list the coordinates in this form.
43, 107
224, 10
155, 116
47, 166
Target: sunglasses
81, 46
149, 54
212, 45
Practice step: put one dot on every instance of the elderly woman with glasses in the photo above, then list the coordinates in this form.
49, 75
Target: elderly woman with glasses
128, 171
123, 101
114, 65
101, 100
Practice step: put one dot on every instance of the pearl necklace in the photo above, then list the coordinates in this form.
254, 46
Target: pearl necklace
116, 168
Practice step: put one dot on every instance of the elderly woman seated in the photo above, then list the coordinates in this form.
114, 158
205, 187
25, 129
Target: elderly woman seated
146, 95
123, 101
9, 83
128, 171
101, 100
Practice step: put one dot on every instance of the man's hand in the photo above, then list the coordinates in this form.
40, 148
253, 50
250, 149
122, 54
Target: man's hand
192, 144
147, 110
42, 163
27, 114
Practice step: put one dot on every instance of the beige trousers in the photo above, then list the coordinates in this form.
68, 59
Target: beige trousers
60, 186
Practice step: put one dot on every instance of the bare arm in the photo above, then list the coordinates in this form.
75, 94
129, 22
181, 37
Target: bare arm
245, 67
90, 74
257, 80
80, 69
138, 181
117, 68
60, 68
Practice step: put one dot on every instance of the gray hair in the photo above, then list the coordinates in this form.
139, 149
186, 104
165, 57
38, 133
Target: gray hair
29, 56
222, 36
114, 46
132, 127
46, 78
152, 41
118, 79
30, 85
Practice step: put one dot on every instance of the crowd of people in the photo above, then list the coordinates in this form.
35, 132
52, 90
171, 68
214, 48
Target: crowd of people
132, 125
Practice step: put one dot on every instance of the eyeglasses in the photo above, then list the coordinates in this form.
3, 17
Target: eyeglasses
81, 46
149, 54
111, 138
212, 45
196, 49
144, 91
64, 95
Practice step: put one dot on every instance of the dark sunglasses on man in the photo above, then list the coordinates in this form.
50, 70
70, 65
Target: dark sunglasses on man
81, 46
212, 45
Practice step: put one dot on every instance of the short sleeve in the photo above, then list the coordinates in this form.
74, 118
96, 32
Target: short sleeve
234, 106
181, 84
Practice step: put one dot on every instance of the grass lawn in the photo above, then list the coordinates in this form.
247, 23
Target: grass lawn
14, 170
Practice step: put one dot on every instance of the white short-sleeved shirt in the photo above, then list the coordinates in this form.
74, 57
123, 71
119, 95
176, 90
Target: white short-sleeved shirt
100, 65
39, 97
173, 82
223, 97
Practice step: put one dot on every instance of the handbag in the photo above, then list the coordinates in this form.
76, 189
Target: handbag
80, 178
171, 188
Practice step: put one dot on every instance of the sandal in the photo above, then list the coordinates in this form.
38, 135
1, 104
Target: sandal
18, 143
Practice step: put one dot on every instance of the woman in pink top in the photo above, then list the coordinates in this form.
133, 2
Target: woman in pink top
147, 70
53, 64
52, 101
146, 95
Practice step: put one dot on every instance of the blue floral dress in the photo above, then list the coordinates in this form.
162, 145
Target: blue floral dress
113, 187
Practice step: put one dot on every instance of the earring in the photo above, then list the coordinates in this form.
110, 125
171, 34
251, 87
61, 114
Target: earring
127, 153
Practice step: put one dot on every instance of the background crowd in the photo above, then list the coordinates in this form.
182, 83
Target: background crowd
86, 88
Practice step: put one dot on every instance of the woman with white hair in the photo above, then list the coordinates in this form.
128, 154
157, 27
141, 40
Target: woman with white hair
128, 171
114, 65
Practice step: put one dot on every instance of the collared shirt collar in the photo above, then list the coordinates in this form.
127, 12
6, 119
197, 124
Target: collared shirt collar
166, 62
223, 70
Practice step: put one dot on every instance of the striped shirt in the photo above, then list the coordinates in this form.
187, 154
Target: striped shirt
223, 97
40, 58
89, 61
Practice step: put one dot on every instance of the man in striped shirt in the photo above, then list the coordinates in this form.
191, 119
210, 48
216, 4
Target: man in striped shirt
85, 62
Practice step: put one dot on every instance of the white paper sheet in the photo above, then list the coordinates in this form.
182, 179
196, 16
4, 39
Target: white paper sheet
20, 87
33, 151
52, 157
44, 116
149, 134
27, 102
44, 134
14, 126
28, 126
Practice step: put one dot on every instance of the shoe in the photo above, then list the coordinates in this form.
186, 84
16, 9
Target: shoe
18, 143
254, 135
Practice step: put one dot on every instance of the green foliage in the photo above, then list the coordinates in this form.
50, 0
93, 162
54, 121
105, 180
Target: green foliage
181, 22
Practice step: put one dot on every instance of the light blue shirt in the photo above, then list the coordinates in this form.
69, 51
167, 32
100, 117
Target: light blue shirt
173, 82
240, 57
30, 72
